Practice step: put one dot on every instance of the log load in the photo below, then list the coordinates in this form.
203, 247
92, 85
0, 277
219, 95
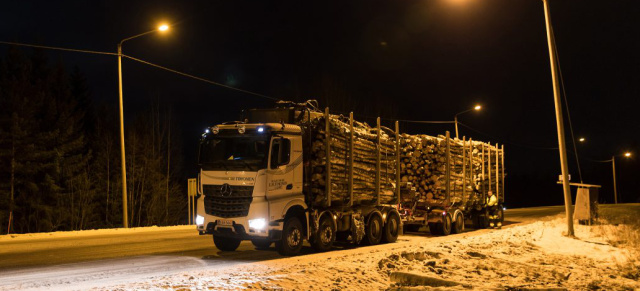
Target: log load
423, 163
365, 151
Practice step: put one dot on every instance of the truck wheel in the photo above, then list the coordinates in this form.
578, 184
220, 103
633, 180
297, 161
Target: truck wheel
412, 227
226, 244
444, 227
458, 224
324, 237
261, 244
292, 234
373, 231
391, 229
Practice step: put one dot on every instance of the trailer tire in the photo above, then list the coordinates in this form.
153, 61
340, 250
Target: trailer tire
484, 218
445, 225
292, 234
391, 228
261, 244
226, 244
373, 230
458, 224
324, 236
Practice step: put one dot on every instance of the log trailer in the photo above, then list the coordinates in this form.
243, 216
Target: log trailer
446, 182
293, 173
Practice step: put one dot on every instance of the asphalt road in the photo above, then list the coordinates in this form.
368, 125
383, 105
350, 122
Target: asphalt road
87, 261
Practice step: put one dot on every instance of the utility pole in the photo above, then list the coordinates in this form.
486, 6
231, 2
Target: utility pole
559, 122
125, 219
615, 187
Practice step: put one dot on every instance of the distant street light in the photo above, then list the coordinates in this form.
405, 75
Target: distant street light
613, 166
455, 117
125, 219
582, 139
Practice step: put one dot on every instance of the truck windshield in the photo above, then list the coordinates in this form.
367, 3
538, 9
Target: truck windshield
233, 153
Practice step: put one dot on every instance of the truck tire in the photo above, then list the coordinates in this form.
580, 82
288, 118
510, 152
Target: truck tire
412, 227
226, 244
292, 234
324, 236
261, 244
373, 231
391, 228
458, 223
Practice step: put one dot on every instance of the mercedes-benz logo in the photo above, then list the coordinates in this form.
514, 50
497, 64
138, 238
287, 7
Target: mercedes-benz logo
225, 190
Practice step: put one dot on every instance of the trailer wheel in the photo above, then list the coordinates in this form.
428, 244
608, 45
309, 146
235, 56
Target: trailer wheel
226, 244
445, 225
373, 231
458, 224
292, 234
391, 229
484, 218
324, 237
261, 244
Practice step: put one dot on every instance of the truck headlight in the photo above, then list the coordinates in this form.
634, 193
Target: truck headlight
199, 220
258, 224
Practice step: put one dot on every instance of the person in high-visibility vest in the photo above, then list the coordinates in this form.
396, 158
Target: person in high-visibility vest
492, 204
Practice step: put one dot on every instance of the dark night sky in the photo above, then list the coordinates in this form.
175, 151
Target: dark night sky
418, 60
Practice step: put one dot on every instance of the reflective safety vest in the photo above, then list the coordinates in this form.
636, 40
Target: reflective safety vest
493, 200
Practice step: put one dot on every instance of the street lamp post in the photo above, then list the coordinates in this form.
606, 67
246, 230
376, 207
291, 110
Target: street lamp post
455, 117
125, 219
615, 186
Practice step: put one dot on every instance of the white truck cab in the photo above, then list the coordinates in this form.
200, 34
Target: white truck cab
251, 175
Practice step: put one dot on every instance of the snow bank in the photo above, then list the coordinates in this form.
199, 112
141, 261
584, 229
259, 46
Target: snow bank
91, 232
535, 255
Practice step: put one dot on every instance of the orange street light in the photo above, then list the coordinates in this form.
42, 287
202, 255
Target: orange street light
125, 219
455, 117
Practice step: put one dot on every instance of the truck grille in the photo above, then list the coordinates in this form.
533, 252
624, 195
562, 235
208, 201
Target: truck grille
227, 200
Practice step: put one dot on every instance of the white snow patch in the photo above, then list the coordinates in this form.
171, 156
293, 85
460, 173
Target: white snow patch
536, 255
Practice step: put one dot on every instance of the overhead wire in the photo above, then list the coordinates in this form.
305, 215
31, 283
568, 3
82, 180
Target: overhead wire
566, 103
143, 62
58, 48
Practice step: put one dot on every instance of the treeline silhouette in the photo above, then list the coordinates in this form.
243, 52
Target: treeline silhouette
60, 163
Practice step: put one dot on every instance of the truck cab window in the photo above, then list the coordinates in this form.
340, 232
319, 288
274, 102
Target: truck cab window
280, 152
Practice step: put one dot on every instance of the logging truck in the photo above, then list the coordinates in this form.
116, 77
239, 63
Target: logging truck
292, 173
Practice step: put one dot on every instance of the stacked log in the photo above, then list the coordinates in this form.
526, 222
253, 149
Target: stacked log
424, 164
365, 151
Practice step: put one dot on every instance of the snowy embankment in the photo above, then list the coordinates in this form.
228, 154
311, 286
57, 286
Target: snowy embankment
520, 257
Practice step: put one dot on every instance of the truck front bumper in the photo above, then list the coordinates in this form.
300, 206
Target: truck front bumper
238, 231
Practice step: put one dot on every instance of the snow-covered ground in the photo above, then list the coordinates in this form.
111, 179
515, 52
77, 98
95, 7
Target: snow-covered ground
518, 257
535, 255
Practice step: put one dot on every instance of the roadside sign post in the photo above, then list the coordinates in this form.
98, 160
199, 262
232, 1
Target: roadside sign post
192, 185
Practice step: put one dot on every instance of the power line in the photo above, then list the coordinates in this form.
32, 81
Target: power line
141, 61
566, 103
198, 78
58, 48
507, 142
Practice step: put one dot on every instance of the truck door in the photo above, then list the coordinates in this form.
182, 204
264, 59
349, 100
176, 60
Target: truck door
284, 174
